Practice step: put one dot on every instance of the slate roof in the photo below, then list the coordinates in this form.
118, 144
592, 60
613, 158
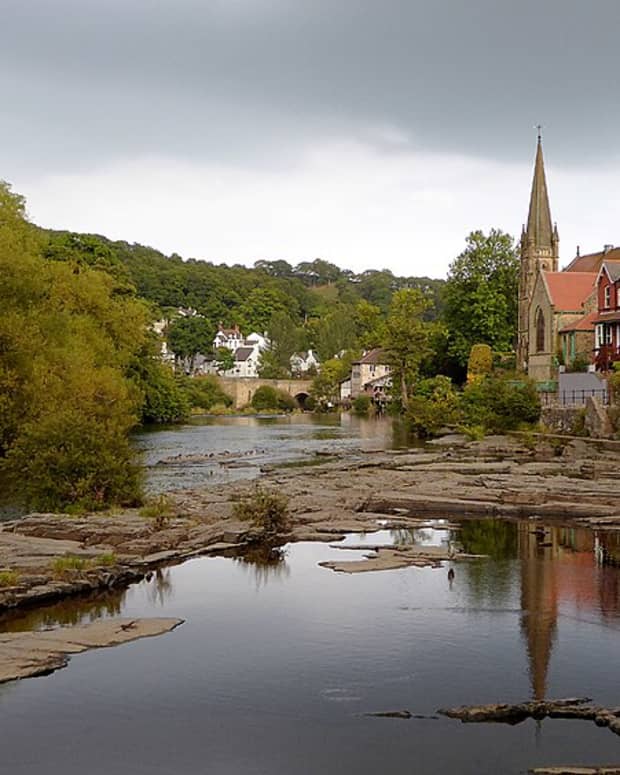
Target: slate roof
569, 290
243, 353
375, 356
613, 269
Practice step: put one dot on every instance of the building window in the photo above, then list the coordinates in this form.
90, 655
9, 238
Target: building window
540, 331
607, 296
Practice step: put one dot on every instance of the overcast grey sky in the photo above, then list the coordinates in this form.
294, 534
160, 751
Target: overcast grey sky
371, 134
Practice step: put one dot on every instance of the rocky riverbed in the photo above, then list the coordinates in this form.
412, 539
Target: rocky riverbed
47, 556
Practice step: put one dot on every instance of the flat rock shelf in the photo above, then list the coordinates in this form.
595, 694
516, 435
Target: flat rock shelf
28, 654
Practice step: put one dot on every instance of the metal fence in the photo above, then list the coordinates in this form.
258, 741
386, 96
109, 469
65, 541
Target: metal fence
574, 397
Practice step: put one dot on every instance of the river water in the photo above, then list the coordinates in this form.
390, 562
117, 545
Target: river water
277, 662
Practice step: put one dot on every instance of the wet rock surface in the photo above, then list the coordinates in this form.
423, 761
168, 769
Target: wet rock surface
28, 654
548, 479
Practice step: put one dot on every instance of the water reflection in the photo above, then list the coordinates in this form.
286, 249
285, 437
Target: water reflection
160, 589
265, 562
74, 610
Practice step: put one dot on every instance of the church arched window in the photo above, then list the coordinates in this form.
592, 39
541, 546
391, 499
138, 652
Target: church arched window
540, 331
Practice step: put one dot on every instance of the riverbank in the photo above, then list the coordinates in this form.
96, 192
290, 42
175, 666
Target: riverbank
45, 557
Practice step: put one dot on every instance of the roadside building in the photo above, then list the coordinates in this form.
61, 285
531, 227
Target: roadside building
371, 365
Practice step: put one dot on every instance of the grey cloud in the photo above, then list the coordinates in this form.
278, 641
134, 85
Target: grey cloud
252, 80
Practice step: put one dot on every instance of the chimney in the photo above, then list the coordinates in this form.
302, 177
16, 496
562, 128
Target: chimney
578, 251
607, 248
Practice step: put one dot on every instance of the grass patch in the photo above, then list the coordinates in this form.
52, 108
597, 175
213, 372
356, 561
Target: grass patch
8, 578
63, 566
159, 510
106, 559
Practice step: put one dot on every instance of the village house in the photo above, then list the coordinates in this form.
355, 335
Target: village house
371, 366
607, 320
303, 362
246, 352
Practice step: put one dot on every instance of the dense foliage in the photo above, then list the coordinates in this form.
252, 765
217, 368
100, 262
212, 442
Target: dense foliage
69, 335
480, 295
314, 305
494, 403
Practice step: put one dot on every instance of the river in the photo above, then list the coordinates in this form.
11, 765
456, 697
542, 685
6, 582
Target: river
277, 663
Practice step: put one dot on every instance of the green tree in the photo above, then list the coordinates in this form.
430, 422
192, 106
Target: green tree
408, 340
284, 339
480, 295
189, 336
325, 389
224, 358
67, 343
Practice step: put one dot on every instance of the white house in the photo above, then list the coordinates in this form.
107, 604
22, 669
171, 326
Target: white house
230, 338
302, 362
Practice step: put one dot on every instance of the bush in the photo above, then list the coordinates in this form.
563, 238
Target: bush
8, 578
579, 363
165, 400
500, 404
264, 509
68, 459
362, 404
434, 404
480, 362
268, 398
205, 393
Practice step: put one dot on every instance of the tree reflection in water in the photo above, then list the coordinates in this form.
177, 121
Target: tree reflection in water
73, 610
266, 562
160, 588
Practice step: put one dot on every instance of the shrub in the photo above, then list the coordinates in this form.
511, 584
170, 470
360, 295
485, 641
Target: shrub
579, 363
205, 393
164, 399
264, 509
362, 404
480, 362
434, 404
613, 385
500, 404
268, 398
286, 402
68, 457
8, 578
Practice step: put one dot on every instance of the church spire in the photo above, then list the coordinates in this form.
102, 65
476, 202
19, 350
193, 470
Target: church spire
540, 248
539, 232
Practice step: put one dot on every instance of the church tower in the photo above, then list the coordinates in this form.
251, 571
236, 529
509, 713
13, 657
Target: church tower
540, 250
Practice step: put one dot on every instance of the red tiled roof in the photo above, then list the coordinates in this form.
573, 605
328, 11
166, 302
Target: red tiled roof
569, 290
592, 261
586, 323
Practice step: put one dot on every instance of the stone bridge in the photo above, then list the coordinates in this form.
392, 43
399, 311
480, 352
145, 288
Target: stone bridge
241, 389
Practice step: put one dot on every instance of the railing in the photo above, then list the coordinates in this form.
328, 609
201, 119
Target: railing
574, 397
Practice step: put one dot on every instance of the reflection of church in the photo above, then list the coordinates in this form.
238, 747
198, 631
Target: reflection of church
562, 566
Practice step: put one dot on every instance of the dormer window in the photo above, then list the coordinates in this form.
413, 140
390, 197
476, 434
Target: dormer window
607, 297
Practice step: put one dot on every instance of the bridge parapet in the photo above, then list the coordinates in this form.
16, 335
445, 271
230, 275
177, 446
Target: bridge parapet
241, 389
